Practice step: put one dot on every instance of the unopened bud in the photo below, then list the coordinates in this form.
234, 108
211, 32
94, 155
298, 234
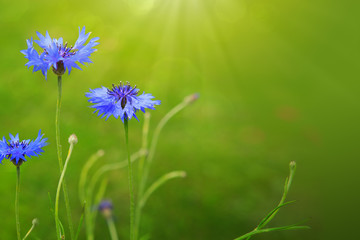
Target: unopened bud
35, 221
292, 165
100, 152
192, 98
73, 139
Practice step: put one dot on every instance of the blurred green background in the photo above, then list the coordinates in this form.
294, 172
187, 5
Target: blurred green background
278, 81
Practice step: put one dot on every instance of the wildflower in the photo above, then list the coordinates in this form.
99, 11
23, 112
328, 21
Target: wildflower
57, 54
120, 101
16, 150
105, 207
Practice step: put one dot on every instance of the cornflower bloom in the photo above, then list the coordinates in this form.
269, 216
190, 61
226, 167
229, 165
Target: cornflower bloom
120, 101
105, 207
61, 58
57, 54
16, 150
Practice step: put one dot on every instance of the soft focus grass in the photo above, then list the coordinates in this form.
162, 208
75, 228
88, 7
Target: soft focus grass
278, 81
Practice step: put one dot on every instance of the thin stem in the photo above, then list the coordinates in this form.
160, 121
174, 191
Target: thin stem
85, 171
97, 199
112, 229
155, 139
255, 231
158, 183
131, 187
111, 167
58, 191
17, 203
59, 154
144, 147
34, 222
83, 193
146, 167
57, 123
144, 144
287, 186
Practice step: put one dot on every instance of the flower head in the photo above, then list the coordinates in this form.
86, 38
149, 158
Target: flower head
105, 204
16, 150
120, 101
57, 54
105, 207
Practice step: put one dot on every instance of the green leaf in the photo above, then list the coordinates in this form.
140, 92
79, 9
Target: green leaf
158, 183
80, 222
84, 172
272, 213
255, 232
51, 203
62, 230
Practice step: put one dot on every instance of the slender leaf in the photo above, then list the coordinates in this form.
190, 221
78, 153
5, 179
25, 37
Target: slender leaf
160, 182
80, 221
272, 213
255, 232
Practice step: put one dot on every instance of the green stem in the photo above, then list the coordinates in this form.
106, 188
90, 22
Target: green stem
154, 141
61, 180
83, 195
144, 144
59, 154
255, 231
17, 203
112, 229
158, 183
111, 167
131, 187
34, 222
146, 167
144, 147
287, 186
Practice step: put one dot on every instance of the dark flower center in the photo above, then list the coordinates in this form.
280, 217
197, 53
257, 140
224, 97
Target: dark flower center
60, 68
16, 145
65, 52
123, 93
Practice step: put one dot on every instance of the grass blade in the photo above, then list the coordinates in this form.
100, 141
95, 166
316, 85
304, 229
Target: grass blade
158, 183
80, 222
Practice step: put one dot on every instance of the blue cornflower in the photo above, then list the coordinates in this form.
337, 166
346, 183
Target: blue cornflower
16, 150
105, 205
58, 55
120, 101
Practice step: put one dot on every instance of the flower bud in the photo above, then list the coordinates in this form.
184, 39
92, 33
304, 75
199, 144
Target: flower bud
191, 98
105, 207
292, 165
73, 139
35, 221
100, 153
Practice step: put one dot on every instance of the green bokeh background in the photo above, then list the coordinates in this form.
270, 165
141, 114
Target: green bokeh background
278, 81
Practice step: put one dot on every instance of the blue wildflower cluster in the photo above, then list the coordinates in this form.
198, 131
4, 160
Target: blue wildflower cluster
120, 101
16, 150
57, 54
